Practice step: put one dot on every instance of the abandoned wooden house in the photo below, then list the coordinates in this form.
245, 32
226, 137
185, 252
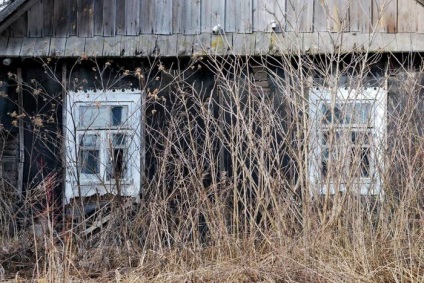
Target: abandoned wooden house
77, 77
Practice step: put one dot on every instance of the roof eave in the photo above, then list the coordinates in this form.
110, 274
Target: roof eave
13, 11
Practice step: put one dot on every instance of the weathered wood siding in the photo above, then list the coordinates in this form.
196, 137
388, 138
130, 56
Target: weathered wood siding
87, 18
184, 27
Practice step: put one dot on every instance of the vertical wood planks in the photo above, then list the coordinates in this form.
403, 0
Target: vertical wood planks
177, 16
231, 14
132, 17
331, 15
419, 22
320, 15
120, 17
109, 7
191, 16
300, 15
13, 46
147, 10
72, 17
245, 17
19, 27
48, 7
85, 18
267, 11
35, 20
338, 15
162, 17
238, 16
212, 13
60, 18
360, 16
406, 19
98, 17
385, 15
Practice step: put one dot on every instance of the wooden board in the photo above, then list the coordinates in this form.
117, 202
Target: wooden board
109, 17
48, 8
243, 44
331, 15
72, 17
3, 45
120, 17
310, 43
57, 46
244, 17
85, 27
177, 16
129, 46
19, 27
166, 45
338, 15
320, 15
267, 11
74, 46
146, 44
132, 17
360, 16
35, 20
212, 13
406, 18
417, 42
355, 42
98, 17
185, 45
60, 18
221, 44
28, 46
112, 46
42, 46
162, 22
13, 46
419, 22
147, 14
202, 44
403, 42
385, 15
94, 46
262, 43
231, 13
300, 15
191, 17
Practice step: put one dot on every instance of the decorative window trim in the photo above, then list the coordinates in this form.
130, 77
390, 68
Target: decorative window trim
117, 143
371, 145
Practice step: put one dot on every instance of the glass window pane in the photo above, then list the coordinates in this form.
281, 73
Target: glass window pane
116, 167
119, 140
362, 114
119, 115
92, 116
361, 137
89, 161
326, 113
88, 141
365, 162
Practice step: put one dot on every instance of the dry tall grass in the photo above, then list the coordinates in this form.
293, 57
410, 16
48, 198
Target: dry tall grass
228, 195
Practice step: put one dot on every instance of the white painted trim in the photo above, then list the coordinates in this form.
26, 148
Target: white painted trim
131, 186
366, 186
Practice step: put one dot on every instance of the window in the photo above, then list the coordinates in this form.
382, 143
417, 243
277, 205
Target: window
346, 140
103, 143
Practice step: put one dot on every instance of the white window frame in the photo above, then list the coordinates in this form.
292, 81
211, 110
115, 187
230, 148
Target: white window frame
376, 127
79, 184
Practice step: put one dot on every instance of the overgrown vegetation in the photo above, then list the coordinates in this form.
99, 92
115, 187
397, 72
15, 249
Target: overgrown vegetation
228, 194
